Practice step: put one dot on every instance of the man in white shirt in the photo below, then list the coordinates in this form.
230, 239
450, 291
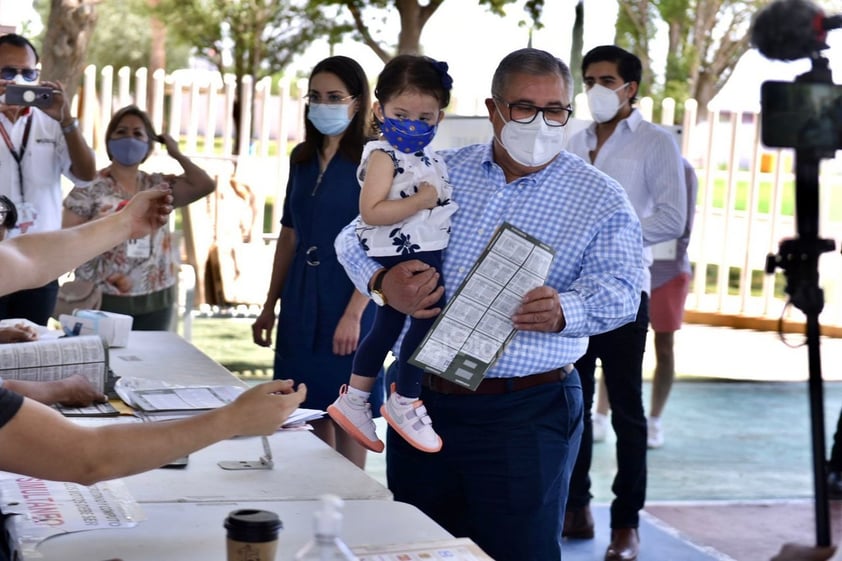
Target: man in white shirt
646, 161
37, 146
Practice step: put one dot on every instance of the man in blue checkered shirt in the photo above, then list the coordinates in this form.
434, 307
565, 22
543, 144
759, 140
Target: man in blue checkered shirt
509, 446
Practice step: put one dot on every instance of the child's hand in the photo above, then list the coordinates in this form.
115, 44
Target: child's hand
427, 195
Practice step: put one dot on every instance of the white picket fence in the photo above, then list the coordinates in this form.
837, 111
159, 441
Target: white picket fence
745, 190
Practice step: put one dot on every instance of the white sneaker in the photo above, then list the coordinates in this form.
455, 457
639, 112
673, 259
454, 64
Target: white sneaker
599, 422
356, 420
412, 422
654, 433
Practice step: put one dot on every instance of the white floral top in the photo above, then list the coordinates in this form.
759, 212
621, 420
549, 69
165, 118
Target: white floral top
151, 272
426, 230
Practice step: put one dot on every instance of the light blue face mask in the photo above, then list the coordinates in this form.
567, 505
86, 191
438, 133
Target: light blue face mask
330, 119
128, 151
406, 135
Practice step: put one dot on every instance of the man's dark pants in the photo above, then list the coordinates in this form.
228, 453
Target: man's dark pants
501, 475
620, 352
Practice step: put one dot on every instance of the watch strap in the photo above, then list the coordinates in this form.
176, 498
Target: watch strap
377, 285
67, 129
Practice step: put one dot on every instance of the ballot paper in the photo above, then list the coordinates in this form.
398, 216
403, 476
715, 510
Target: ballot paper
475, 326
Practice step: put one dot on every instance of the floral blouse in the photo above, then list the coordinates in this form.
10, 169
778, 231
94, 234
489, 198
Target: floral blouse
426, 230
148, 261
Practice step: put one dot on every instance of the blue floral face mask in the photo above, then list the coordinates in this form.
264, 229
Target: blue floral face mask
127, 150
406, 135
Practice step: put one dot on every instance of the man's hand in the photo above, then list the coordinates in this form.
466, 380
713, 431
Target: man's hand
76, 391
539, 310
18, 333
148, 211
411, 288
59, 108
262, 409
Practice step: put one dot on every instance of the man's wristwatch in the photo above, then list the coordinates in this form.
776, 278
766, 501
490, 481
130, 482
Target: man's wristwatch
70, 127
377, 289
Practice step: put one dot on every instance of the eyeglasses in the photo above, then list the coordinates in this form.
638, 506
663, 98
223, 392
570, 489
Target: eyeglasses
331, 99
28, 74
526, 113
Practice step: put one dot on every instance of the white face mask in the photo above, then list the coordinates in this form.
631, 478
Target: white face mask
532, 144
604, 102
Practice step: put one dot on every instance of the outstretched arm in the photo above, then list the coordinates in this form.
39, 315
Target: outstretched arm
35, 259
39, 442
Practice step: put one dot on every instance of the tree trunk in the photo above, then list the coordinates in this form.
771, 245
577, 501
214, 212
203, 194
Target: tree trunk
157, 51
578, 44
69, 29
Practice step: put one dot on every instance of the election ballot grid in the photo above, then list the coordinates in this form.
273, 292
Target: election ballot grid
183, 509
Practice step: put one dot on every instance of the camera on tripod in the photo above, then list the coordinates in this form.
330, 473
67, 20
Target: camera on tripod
805, 114
801, 115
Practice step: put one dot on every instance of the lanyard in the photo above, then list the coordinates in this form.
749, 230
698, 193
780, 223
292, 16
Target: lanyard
18, 154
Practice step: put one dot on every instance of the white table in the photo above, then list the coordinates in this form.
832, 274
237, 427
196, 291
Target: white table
194, 531
167, 357
305, 468
185, 508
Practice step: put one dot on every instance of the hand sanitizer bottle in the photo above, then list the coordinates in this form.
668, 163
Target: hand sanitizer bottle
326, 545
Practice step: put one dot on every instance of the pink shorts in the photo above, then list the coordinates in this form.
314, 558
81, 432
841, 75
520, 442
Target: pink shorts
666, 306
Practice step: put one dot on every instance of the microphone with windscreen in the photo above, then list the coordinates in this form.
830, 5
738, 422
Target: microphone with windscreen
792, 29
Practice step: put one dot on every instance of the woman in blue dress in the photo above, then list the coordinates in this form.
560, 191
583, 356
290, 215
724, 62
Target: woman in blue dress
321, 313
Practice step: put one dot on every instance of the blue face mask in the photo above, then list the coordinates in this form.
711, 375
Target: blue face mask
406, 135
128, 151
330, 119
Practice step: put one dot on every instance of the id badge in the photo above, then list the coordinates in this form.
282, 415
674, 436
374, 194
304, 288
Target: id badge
141, 248
27, 215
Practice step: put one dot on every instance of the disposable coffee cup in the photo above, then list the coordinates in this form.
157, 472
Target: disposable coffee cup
252, 535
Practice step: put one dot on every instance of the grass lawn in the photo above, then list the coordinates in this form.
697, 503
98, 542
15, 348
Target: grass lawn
228, 341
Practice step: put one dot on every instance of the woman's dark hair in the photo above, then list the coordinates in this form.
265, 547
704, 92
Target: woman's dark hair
351, 144
10, 220
139, 113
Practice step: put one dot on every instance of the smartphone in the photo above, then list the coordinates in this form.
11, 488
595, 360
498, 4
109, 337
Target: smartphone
801, 115
38, 96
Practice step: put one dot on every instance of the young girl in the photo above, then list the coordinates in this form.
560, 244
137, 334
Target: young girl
405, 211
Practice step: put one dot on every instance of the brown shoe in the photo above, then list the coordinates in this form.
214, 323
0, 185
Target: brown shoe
578, 524
625, 545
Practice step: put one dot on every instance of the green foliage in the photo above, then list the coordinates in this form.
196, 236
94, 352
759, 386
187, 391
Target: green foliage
261, 37
706, 38
122, 38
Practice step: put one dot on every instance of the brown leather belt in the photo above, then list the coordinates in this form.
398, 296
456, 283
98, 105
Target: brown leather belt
493, 386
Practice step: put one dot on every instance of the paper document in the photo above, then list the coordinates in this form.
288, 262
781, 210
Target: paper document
53, 359
456, 549
185, 398
475, 326
49, 508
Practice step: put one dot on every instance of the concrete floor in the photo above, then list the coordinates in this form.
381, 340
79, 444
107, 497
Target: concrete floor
734, 480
